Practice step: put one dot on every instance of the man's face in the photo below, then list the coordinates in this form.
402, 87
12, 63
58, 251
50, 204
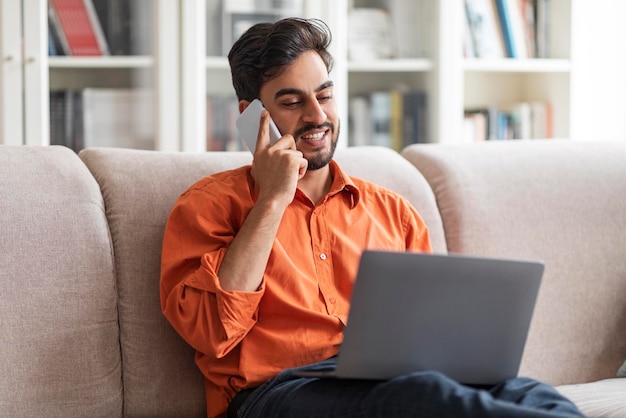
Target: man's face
302, 103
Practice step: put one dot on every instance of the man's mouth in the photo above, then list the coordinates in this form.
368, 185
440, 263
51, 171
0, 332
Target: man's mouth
313, 136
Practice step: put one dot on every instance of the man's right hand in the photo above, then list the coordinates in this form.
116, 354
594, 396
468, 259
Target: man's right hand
276, 168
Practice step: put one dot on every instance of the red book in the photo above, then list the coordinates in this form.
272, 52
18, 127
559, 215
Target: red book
81, 27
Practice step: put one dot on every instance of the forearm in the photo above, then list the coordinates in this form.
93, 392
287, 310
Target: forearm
245, 260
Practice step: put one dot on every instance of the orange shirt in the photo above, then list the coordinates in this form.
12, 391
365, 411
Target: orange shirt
297, 315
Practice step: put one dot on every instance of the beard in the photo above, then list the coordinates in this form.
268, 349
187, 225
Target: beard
322, 159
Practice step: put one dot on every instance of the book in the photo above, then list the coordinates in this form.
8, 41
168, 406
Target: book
115, 19
415, 117
475, 125
396, 124
486, 37
517, 27
57, 44
52, 48
521, 117
141, 26
380, 118
118, 118
541, 123
528, 17
57, 118
506, 27
80, 26
542, 18
358, 120
66, 118
56, 34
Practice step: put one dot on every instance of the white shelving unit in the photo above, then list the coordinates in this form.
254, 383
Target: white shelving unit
23, 77
28, 74
583, 79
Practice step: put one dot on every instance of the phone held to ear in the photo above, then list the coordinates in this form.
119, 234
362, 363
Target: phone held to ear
248, 124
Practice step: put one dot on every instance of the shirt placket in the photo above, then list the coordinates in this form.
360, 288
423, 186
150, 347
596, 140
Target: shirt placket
323, 261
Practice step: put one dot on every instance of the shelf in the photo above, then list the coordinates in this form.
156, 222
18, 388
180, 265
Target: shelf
391, 65
217, 63
508, 65
101, 62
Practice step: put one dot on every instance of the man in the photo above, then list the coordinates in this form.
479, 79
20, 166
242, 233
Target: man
258, 262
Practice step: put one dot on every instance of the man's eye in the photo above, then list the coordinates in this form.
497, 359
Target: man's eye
324, 99
291, 104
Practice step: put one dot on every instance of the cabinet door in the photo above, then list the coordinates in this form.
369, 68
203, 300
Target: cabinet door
35, 77
11, 101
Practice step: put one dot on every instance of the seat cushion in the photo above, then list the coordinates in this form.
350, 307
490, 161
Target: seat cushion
59, 349
604, 398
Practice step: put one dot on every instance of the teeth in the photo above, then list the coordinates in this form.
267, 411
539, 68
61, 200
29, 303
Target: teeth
314, 136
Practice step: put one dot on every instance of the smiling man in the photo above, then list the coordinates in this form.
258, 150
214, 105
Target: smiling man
258, 263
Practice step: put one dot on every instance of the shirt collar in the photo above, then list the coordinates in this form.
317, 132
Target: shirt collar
342, 183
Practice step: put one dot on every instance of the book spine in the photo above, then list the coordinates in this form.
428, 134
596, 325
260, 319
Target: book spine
114, 16
97, 27
77, 28
507, 30
56, 30
359, 116
517, 28
380, 117
396, 114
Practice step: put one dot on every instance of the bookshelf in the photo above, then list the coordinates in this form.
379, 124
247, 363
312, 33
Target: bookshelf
182, 64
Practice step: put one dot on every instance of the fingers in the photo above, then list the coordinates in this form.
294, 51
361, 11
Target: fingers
281, 154
304, 164
263, 137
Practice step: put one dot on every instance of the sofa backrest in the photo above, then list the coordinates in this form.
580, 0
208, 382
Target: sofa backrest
59, 345
139, 189
559, 201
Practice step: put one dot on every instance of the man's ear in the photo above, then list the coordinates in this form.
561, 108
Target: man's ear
242, 105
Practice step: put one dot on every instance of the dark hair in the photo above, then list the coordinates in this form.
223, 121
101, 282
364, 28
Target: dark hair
265, 49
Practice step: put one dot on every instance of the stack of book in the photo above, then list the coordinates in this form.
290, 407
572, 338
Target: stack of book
506, 28
526, 120
99, 27
393, 119
99, 117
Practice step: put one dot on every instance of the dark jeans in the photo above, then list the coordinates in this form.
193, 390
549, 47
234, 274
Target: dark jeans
422, 394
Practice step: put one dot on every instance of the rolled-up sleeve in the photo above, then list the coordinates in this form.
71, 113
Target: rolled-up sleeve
197, 235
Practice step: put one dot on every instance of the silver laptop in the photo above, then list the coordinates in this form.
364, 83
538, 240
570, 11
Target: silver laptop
467, 317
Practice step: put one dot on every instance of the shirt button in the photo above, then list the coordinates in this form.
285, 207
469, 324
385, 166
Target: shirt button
332, 300
323, 256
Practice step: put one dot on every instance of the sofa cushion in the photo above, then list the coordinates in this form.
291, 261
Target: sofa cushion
139, 189
59, 347
558, 201
604, 398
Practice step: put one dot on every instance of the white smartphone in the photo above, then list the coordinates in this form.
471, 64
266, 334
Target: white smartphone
248, 125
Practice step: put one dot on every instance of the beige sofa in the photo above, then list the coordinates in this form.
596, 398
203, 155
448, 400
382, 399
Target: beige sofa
81, 332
